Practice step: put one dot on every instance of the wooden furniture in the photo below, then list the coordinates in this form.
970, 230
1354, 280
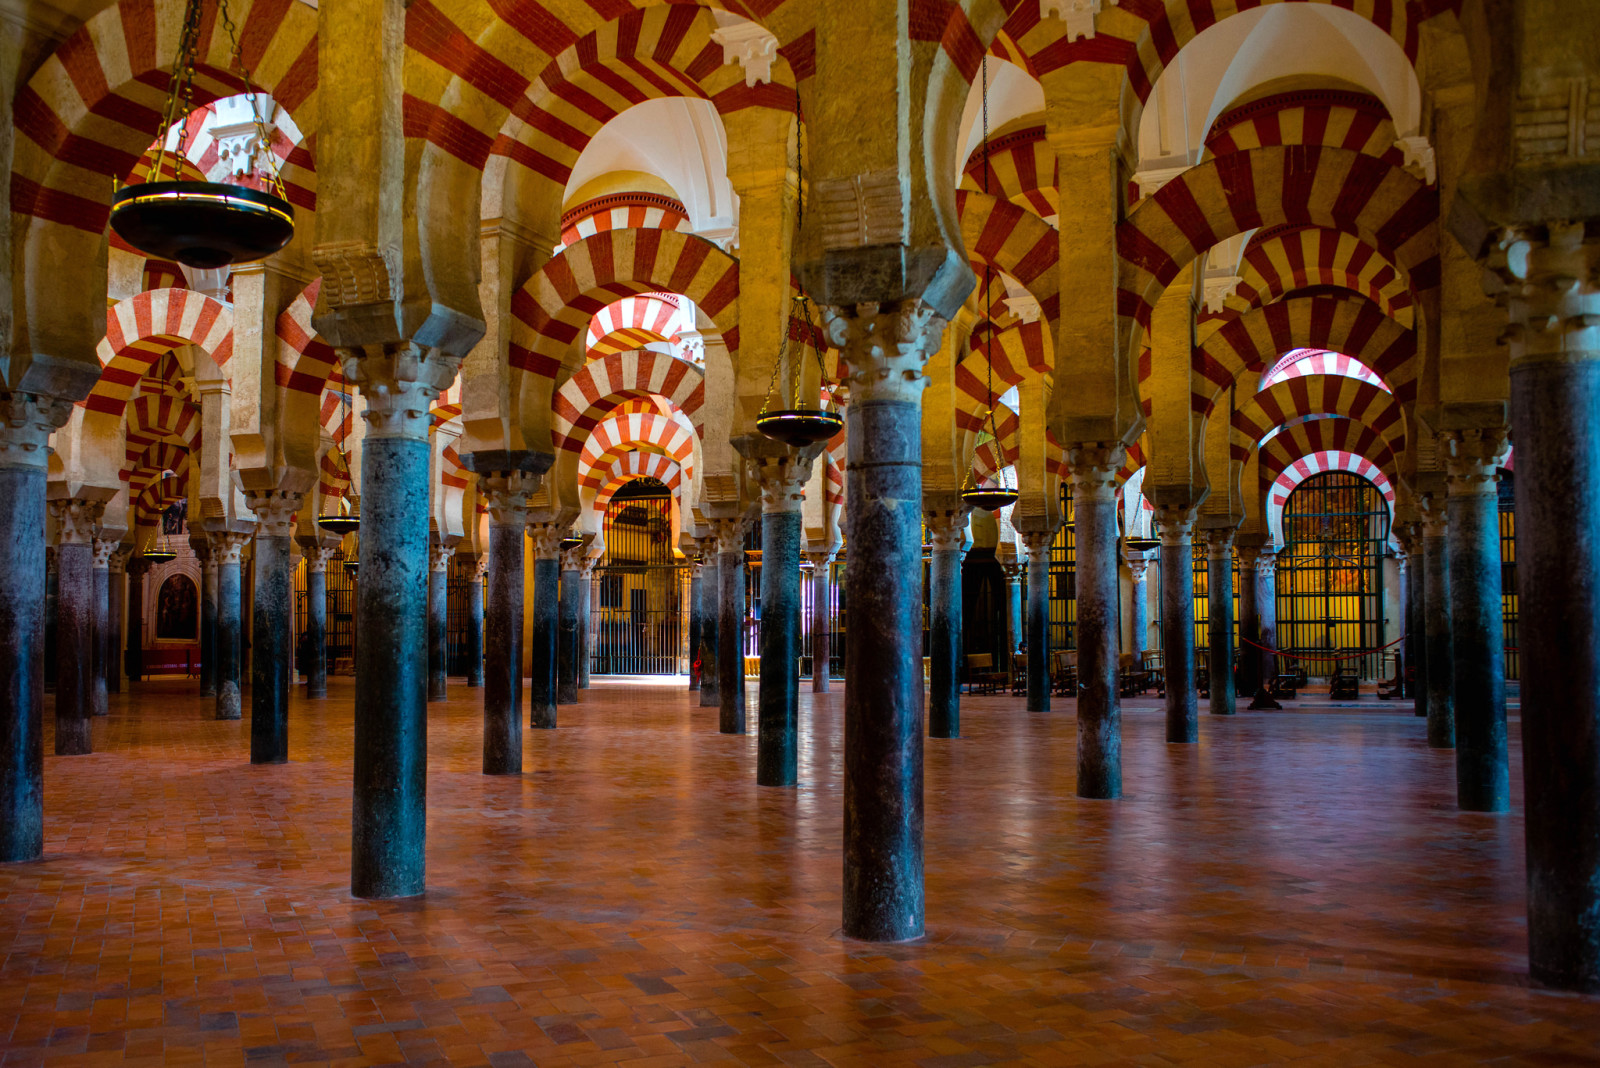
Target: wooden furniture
1345, 684
1019, 673
1064, 673
981, 675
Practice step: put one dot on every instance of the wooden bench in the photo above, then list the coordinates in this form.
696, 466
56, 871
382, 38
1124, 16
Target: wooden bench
981, 675
1064, 673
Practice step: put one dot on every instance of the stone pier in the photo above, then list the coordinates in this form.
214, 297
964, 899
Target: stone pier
546, 538
76, 521
506, 494
1092, 476
946, 519
272, 626
730, 624
1037, 543
1175, 526
782, 479
710, 640
316, 665
567, 633
480, 566
100, 642
227, 549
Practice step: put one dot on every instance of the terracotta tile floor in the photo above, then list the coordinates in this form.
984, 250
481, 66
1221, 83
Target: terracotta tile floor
1295, 888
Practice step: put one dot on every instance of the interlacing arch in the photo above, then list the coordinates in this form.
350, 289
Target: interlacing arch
147, 325
1283, 260
1350, 325
1298, 185
600, 385
1314, 395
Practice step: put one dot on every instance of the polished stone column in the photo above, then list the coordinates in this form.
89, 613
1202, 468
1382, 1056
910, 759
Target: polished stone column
1477, 623
1251, 680
272, 626
567, 637
585, 632
730, 623
1138, 602
480, 566
117, 606
439, 618
26, 422
883, 348
546, 539
947, 528
227, 549
506, 494
52, 589
696, 566
389, 809
1177, 621
710, 641
138, 567
1092, 477
1037, 542
316, 666
1015, 635
100, 623
76, 521
821, 618
1410, 536
1267, 612
208, 614
783, 481
1440, 654
1219, 619
1554, 278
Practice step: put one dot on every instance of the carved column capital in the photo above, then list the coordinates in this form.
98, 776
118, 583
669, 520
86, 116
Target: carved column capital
1174, 523
729, 534
947, 527
317, 557
1267, 563
227, 546
1014, 573
820, 559
1092, 468
1548, 279
783, 480
1219, 543
137, 566
883, 347
505, 493
274, 511
26, 422
1138, 565
102, 548
572, 559
1037, 541
547, 539
400, 383
480, 566
1472, 459
77, 521
439, 556
1435, 519
119, 560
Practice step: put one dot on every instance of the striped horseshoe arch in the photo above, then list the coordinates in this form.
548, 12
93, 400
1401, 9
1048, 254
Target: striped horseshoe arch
1350, 325
165, 417
1288, 185
1022, 169
1314, 395
1300, 362
632, 465
1018, 351
1285, 259
637, 430
1337, 118
1331, 437
600, 385
1001, 235
631, 323
142, 328
1276, 490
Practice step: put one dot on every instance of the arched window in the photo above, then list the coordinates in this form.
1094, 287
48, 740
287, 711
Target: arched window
1330, 572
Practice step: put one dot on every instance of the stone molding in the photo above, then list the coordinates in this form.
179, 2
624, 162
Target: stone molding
353, 272
884, 347
751, 46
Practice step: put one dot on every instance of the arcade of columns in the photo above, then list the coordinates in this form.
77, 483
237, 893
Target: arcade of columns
460, 331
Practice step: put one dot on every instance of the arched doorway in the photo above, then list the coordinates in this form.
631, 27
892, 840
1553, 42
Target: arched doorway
637, 602
1330, 571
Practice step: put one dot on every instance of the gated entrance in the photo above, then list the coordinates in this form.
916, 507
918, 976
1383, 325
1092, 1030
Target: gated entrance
638, 604
1330, 571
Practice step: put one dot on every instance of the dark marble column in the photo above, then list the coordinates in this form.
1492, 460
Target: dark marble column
710, 641
389, 809
438, 618
1410, 536
1177, 622
730, 624
1440, 655
209, 652
316, 640
1267, 610
1250, 678
506, 495
138, 567
1138, 602
480, 565
782, 480
546, 622
76, 521
946, 521
52, 589
696, 566
1015, 634
100, 623
567, 650
26, 422
883, 347
1092, 476
821, 619
1555, 408
227, 548
272, 626
585, 635
1037, 542
1219, 619
117, 606
1477, 627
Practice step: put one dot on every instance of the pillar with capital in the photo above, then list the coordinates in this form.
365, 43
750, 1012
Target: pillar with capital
568, 634
138, 567
474, 654
1439, 658
26, 422
1092, 470
782, 474
821, 618
730, 623
946, 520
1139, 602
506, 494
1015, 635
76, 521
316, 641
1037, 543
1219, 618
1266, 592
439, 554
201, 544
272, 625
1416, 643
1246, 551
101, 623
710, 640
696, 568
1175, 525
227, 550
586, 567
117, 607
546, 538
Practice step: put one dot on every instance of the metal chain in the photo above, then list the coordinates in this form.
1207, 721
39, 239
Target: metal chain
180, 87
272, 178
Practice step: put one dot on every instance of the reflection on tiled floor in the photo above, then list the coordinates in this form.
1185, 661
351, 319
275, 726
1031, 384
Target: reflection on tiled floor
1294, 888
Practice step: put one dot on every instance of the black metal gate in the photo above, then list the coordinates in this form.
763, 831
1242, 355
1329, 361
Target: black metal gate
638, 602
341, 611
1330, 572
1508, 573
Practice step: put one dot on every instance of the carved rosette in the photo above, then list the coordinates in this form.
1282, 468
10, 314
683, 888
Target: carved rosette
26, 422
883, 347
1551, 292
1472, 459
77, 521
227, 546
1092, 468
400, 383
1174, 523
505, 494
317, 557
275, 511
439, 557
547, 539
947, 528
729, 534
